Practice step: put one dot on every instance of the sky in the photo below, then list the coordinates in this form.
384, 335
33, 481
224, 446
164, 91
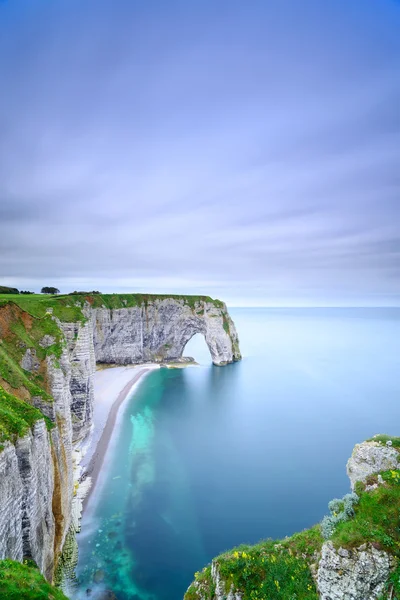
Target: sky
247, 150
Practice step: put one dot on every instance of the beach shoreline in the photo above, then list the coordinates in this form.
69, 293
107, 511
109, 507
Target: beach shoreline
111, 394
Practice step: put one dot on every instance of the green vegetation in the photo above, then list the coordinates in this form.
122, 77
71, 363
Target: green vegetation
68, 308
280, 570
341, 510
18, 337
275, 570
8, 290
16, 377
23, 581
17, 417
383, 439
37, 305
376, 518
225, 324
130, 300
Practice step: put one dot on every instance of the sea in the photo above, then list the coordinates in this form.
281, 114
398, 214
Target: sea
206, 458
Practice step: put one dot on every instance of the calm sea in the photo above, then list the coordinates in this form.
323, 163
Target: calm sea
207, 458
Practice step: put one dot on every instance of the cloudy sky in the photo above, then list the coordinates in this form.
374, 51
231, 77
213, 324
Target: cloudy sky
249, 150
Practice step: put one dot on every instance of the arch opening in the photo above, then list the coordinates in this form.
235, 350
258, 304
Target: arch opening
197, 348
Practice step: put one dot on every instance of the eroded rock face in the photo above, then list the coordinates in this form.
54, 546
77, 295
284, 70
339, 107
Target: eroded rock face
359, 574
26, 519
160, 330
82, 365
369, 458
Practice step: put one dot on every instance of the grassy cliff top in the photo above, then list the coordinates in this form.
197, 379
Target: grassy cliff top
17, 417
24, 582
68, 307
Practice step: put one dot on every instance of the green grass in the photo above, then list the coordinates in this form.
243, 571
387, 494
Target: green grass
382, 439
272, 569
16, 377
68, 307
40, 327
377, 517
268, 570
132, 300
24, 582
37, 305
17, 417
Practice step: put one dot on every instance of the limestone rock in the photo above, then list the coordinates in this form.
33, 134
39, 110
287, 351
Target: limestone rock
369, 458
26, 491
159, 331
46, 341
358, 574
30, 361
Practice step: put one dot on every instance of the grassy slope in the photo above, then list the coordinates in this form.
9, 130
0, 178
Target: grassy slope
279, 570
17, 417
24, 582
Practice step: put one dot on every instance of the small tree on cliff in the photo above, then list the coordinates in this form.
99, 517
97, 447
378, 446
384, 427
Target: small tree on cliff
49, 290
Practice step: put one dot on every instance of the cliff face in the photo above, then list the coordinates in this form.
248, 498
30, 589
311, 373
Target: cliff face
48, 353
159, 330
27, 525
360, 561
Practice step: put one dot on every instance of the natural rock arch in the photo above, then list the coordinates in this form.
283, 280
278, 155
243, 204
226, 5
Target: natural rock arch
159, 330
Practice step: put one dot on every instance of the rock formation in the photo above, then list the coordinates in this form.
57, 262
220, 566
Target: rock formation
361, 573
369, 458
48, 352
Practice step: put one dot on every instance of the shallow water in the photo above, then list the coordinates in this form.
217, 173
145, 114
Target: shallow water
207, 458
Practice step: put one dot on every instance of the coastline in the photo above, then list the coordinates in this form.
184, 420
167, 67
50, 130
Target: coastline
111, 395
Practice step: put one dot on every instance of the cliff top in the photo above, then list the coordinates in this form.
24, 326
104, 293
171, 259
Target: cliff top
68, 307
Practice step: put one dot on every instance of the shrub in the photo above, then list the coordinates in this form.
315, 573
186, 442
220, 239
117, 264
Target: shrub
335, 505
49, 290
341, 510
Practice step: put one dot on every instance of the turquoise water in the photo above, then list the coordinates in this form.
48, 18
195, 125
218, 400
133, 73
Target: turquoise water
207, 458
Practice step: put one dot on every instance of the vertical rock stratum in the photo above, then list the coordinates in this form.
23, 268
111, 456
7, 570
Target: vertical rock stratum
49, 347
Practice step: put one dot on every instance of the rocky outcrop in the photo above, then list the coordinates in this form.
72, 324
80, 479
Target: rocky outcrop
159, 330
36, 472
370, 458
360, 574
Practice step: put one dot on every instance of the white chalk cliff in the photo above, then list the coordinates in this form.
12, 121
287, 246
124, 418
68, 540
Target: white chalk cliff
36, 470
